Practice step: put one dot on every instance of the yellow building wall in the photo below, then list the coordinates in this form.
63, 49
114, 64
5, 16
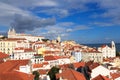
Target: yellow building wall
41, 51
7, 46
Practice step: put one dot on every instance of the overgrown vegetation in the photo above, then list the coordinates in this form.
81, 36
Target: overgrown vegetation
117, 53
52, 72
36, 74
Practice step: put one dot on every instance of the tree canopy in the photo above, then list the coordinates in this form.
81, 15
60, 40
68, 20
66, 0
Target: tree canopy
52, 72
36, 73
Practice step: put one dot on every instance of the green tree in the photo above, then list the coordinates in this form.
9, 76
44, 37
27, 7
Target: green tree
36, 73
117, 53
52, 72
45, 40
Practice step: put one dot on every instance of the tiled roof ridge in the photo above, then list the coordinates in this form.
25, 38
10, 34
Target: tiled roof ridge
73, 74
13, 67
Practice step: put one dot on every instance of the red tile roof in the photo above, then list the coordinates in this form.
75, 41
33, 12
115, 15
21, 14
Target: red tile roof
14, 39
103, 46
25, 49
45, 63
3, 55
115, 75
51, 52
70, 74
15, 75
8, 70
1, 61
19, 48
92, 64
64, 66
48, 58
28, 49
79, 64
37, 65
12, 65
43, 71
100, 77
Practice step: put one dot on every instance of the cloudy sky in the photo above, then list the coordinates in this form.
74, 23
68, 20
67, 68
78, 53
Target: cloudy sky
85, 21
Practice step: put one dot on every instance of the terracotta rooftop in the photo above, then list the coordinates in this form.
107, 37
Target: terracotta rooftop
48, 58
37, 65
43, 71
12, 65
79, 64
70, 74
28, 49
115, 75
14, 39
64, 66
8, 70
25, 49
103, 46
15, 75
100, 77
3, 55
92, 64
19, 48
45, 63
50, 52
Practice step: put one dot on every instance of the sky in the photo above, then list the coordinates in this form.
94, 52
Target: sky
84, 21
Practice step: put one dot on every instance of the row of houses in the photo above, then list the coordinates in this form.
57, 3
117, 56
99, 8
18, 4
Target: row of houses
42, 55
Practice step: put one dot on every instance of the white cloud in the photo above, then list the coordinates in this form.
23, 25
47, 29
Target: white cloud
62, 29
6, 9
81, 27
102, 24
111, 11
69, 30
66, 24
46, 3
20, 19
55, 12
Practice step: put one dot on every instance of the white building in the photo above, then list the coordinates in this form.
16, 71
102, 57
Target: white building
25, 69
12, 34
95, 56
108, 51
77, 56
23, 53
100, 70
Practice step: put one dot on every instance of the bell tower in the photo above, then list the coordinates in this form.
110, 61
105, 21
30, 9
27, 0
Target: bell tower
113, 48
59, 38
113, 45
11, 33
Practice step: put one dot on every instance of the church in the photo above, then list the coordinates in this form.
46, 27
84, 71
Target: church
107, 51
12, 34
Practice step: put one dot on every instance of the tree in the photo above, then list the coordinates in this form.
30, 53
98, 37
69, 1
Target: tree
117, 53
45, 40
85, 71
71, 66
36, 73
52, 72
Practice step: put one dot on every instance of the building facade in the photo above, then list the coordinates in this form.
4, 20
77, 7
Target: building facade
77, 56
12, 34
7, 46
95, 56
107, 51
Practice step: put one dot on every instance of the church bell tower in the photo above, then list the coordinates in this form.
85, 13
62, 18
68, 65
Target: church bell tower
11, 33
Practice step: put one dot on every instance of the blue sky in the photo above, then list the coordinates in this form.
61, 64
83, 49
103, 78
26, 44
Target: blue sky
85, 21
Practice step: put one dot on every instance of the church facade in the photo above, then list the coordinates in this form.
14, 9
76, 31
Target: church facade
12, 34
107, 51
